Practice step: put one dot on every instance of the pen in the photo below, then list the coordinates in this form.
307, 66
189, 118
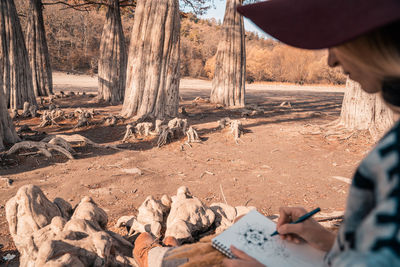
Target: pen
302, 218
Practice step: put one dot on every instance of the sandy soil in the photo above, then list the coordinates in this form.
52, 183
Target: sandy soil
279, 161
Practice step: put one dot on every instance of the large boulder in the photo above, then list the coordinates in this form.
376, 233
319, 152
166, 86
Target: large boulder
188, 216
151, 217
46, 234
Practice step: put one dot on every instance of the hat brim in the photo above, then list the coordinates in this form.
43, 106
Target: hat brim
317, 24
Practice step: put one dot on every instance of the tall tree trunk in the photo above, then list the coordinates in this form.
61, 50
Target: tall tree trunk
38, 51
362, 111
112, 60
14, 64
152, 86
228, 85
7, 131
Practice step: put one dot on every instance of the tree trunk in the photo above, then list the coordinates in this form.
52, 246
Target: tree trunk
38, 51
152, 87
14, 64
112, 60
7, 131
228, 85
362, 111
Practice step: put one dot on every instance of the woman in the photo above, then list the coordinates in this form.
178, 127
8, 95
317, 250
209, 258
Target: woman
363, 37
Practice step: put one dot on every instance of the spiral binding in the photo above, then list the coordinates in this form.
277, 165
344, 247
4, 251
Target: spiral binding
217, 245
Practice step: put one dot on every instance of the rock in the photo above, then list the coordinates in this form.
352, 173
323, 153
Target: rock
151, 216
45, 236
133, 171
188, 216
100, 191
225, 215
7, 181
88, 210
125, 221
64, 207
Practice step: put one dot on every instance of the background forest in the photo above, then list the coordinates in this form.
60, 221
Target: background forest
73, 38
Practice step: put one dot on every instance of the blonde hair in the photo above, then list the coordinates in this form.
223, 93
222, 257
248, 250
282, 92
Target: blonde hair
377, 51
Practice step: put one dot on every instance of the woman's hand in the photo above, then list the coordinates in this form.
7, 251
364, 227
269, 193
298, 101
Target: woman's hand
309, 231
243, 260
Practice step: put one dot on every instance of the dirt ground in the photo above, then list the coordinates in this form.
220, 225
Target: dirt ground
278, 162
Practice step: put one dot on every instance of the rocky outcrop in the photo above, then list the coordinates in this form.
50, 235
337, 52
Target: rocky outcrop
53, 234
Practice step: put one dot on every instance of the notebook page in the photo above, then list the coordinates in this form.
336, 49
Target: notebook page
252, 234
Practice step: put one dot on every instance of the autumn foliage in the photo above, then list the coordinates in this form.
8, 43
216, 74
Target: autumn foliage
74, 39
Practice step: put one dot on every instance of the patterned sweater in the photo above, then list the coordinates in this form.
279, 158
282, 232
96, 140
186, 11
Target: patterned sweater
370, 233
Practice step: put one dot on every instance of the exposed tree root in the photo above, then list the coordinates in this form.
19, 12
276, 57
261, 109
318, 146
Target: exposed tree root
25, 129
82, 121
62, 143
51, 117
166, 135
130, 131
222, 123
42, 147
29, 110
192, 136
286, 104
201, 100
143, 128
157, 128
236, 129
178, 123
235, 126
335, 130
77, 138
252, 110
176, 127
112, 120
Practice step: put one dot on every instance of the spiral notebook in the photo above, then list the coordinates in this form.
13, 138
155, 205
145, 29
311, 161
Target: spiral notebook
252, 234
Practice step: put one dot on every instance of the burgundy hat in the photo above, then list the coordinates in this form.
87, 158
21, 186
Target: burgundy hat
316, 24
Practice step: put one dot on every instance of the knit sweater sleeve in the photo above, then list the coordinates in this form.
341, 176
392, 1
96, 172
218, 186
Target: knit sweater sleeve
370, 233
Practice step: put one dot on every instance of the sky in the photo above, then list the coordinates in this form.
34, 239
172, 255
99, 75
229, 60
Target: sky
219, 11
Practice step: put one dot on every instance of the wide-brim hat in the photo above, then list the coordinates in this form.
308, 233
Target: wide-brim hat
316, 24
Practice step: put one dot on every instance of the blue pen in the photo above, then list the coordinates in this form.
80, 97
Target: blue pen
302, 218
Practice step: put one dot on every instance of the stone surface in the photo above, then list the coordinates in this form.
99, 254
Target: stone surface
188, 216
46, 234
224, 216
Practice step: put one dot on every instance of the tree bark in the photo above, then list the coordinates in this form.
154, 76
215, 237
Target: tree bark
38, 51
112, 60
152, 87
228, 85
8, 135
14, 64
362, 111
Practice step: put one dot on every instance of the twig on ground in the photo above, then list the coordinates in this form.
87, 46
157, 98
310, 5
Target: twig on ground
223, 195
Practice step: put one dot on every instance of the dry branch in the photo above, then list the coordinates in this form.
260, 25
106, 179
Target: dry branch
43, 147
